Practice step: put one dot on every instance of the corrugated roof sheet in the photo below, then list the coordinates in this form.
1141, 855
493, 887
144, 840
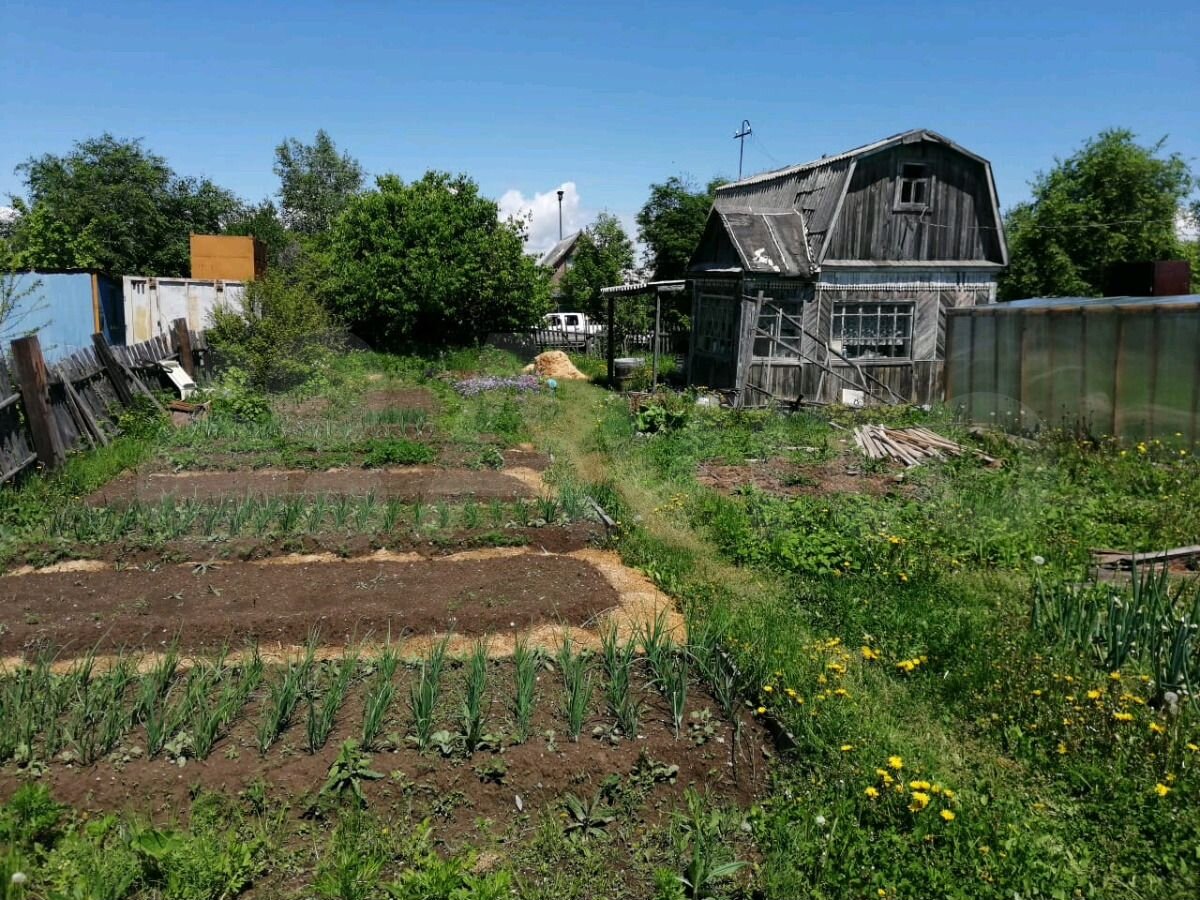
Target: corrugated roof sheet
555, 254
769, 242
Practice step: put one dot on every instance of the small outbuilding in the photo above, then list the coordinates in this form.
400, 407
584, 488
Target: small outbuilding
836, 275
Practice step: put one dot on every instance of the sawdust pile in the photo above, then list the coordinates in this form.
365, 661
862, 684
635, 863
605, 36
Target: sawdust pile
555, 364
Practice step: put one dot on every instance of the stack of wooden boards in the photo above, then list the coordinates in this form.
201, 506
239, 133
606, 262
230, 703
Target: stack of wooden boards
911, 446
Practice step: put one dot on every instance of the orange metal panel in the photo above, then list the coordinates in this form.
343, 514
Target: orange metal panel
224, 257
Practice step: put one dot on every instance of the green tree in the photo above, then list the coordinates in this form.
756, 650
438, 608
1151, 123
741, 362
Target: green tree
430, 262
262, 221
671, 222
315, 183
603, 254
113, 205
1113, 201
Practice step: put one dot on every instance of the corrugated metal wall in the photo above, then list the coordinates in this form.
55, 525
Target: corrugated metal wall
1130, 370
62, 309
152, 304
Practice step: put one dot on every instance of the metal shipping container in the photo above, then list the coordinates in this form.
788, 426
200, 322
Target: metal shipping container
152, 304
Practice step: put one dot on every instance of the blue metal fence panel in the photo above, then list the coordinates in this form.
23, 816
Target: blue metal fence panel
60, 307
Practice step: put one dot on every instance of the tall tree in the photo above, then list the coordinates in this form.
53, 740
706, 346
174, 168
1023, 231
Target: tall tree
430, 262
112, 204
671, 222
1112, 201
316, 183
602, 256
262, 221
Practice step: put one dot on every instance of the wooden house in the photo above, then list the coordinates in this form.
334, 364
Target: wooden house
559, 258
835, 275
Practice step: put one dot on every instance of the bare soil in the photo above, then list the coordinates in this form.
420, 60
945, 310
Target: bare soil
449, 791
207, 606
553, 539
841, 475
405, 484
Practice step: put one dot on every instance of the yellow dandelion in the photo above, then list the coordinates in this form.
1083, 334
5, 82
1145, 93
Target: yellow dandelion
919, 801
767, 689
1161, 789
762, 710
1093, 695
1193, 747
872, 792
947, 815
1062, 748
1114, 676
919, 785
949, 794
869, 654
895, 762
846, 748
1157, 728
1123, 716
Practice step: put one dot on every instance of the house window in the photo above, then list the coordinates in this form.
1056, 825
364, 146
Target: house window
873, 330
780, 319
913, 186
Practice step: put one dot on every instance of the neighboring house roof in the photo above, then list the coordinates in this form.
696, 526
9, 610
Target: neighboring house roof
556, 254
787, 213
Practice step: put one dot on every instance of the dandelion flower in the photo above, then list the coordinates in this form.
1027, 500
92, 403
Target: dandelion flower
1093, 695
1123, 716
1193, 747
767, 689
895, 762
949, 794
1039, 560
762, 710
919, 785
19, 878
869, 654
1161, 789
872, 792
947, 815
846, 748
1157, 728
920, 800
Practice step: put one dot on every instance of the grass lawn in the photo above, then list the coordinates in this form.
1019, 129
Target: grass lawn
895, 683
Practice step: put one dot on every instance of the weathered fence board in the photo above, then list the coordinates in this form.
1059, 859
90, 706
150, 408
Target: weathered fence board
46, 413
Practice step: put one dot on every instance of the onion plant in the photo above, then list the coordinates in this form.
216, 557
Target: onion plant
618, 669
577, 680
322, 714
380, 692
525, 665
473, 711
284, 696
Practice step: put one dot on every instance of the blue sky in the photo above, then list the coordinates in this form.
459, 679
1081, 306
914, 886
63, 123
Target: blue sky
607, 96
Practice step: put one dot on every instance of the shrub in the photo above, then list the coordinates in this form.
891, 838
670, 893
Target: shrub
277, 333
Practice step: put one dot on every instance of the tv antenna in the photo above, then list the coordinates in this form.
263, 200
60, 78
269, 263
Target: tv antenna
744, 132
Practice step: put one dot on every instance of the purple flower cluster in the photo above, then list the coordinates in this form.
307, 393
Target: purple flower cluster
473, 387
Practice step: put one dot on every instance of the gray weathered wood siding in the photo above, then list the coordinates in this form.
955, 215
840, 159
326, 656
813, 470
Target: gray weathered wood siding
958, 224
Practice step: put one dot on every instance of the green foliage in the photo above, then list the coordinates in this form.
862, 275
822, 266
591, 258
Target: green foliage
21, 305
382, 452
671, 222
603, 254
315, 183
142, 420
1112, 201
262, 221
278, 334
349, 770
429, 262
114, 205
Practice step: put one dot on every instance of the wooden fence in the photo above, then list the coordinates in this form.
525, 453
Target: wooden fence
48, 411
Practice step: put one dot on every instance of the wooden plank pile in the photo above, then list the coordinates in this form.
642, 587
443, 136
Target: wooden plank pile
911, 446
1121, 561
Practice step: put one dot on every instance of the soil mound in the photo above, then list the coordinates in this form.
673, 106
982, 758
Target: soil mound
555, 364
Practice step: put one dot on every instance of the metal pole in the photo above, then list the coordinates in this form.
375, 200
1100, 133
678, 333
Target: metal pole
740, 137
560, 196
657, 321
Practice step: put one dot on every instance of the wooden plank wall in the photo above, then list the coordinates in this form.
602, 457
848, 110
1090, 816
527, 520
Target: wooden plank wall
84, 402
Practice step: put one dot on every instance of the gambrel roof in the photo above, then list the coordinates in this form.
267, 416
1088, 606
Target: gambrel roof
559, 251
778, 221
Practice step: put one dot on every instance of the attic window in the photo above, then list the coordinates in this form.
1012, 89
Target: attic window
913, 186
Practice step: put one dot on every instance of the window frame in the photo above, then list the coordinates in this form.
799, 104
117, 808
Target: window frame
901, 205
897, 306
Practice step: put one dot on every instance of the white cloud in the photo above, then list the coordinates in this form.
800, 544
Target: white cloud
8, 215
542, 211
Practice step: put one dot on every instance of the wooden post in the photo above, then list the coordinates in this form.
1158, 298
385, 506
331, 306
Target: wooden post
612, 337
657, 324
35, 400
6, 388
116, 372
183, 344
